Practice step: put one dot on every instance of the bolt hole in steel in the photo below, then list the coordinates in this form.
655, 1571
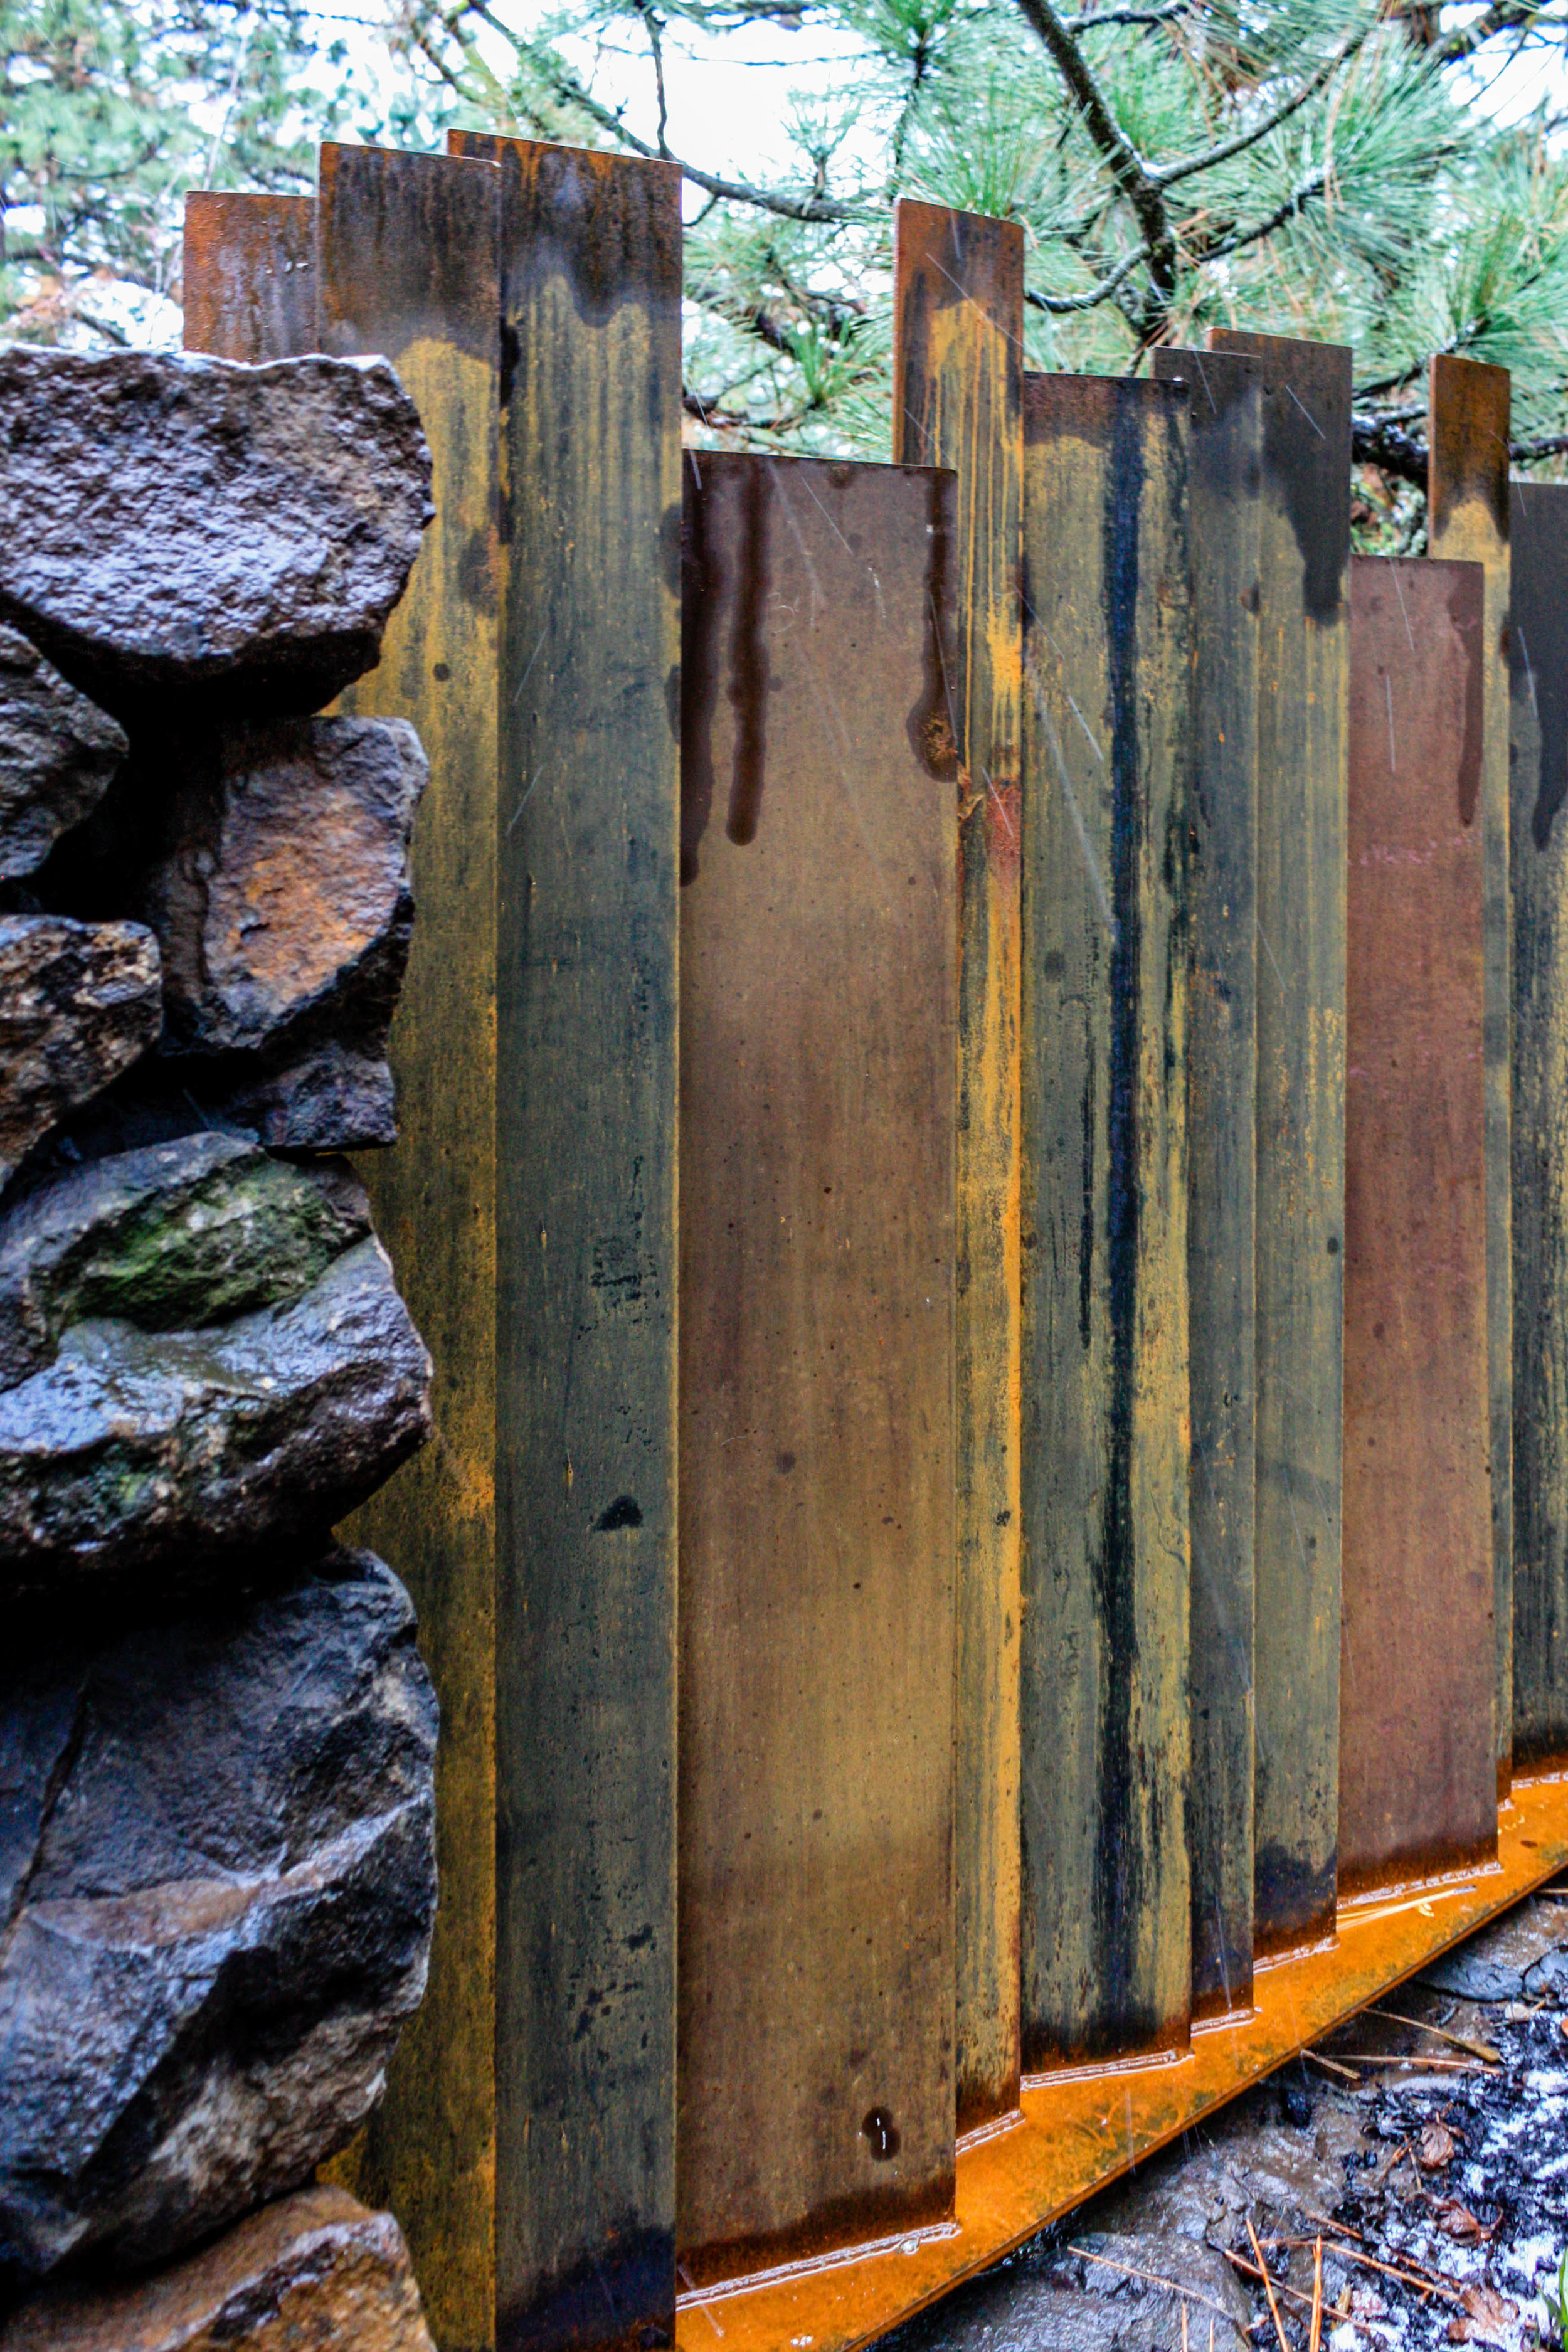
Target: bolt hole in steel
882, 2132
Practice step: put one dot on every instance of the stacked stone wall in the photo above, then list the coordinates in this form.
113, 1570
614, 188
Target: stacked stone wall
216, 1737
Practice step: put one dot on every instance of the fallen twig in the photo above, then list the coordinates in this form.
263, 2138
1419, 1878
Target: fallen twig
1169, 2287
1315, 2333
1482, 2050
1240, 2263
1428, 2065
1268, 2285
1330, 2066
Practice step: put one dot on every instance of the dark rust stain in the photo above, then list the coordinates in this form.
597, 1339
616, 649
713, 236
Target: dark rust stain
249, 275
749, 675
612, 235
701, 603
1468, 412
425, 230
934, 722
1306, 393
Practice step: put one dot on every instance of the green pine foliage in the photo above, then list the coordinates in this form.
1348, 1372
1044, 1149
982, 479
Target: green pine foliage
112, 109
1327, 168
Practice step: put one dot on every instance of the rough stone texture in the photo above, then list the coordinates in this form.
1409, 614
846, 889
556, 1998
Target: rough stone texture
273, 864
239, 534
1046, 2300
78, 1004
58, 754
217, 1866
315, 2272
207, 1355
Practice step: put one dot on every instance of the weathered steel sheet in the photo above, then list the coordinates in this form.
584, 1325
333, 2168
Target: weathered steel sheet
586, 1131
249, 275
818, 945
1107, 750
1418, 1749
1467, 518
1302, 699
407, 266
1226, 477
958, 376
1081, 2131
1538, 643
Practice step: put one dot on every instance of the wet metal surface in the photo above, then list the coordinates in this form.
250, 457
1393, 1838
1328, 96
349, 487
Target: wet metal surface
818, 1000
1417, 1751
585, 1130
1107, 662
1538, 636
249, 275
958, 401
1467, 510
1225, 487
1081, 2133
1302, 686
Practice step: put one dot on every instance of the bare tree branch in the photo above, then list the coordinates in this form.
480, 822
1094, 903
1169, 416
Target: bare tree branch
1099, 18
1062, 306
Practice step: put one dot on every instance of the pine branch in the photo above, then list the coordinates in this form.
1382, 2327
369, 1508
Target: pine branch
1062, 306
1238, 240
1531, 452
1375, 442
1503, 16
1126, 165
569, 91
1166, 175
1096, 20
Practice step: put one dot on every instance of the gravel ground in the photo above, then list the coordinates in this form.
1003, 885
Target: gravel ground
1449, 2167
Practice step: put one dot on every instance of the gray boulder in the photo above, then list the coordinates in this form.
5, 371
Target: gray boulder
78, 1004
206, 1355
58, 754
238, 535
272, 862
217, 1875
312, 2271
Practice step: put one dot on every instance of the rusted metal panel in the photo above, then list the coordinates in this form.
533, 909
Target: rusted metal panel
1302, 703
407, 266
1107, 748
249, 275
958, 375
1467, 518
1538, 641
1417, 1746
818, 946
1226, 424
1080, 2132
586, 1134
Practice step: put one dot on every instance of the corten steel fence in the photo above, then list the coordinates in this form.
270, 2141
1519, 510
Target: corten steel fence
996, 1556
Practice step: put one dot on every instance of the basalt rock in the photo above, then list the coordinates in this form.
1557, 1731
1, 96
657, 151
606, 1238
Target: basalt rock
234, 535
272, 862
206, 1356
58, 754
78, 1004
315, 2272
217, 1871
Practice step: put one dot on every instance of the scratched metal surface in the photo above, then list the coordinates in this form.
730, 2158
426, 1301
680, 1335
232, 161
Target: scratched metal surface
958, 367
585, 1134
1418, 1749
1467, 520
1106, 749
1225, 491
819, 999
1303, 687
1538, 636
249, 275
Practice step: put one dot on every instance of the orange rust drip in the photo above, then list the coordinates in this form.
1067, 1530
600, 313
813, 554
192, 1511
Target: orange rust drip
1074, 2135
